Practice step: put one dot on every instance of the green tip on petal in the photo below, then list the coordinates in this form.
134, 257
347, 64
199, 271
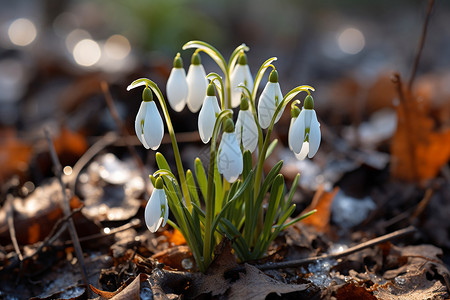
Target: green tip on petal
159, 184
309, 102
295, 112
228, 125
196, 60
273, 76
211, 91
147, 95
244, 103
178, 62
242, 59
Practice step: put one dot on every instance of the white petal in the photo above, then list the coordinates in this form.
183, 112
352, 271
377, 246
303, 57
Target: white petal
266, 105
289, 132
297, 133
177, 89
207, 118
250, 131
270, 98
278, 99
153, 126
314, 135
139, 123
165, 205
303, 152
197, 85
152, 214
229, 158
240, 75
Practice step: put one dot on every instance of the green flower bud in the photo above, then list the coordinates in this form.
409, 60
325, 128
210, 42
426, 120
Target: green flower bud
309, 102
242, 59
159, 184
196, 60
228, 125
295, 111
273, 76
244, 103
178, 62
147, 95
211, 90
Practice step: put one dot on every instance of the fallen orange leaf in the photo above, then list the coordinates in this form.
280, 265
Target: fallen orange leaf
322, 202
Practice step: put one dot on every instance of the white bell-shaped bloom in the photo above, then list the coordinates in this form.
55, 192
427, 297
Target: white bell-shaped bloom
207, 118
229, 157
149, 125
177, 87
305, 146
270, 98
240, 76
197, 84
156, 210
304, 134
246, 130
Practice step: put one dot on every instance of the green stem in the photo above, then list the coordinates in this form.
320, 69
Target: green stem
176, 151
210, 199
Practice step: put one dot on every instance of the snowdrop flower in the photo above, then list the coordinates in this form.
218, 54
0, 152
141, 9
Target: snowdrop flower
304, 133
148, 124
207, 115
229, 155
268, 101
240, 75
197, 84
177, 87
246, 128
157, 209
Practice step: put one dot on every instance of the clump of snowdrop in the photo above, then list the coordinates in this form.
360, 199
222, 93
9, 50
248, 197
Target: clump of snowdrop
233, 187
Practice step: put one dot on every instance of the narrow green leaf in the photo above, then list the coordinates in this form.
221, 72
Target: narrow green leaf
200, 174
271, 147
192, 187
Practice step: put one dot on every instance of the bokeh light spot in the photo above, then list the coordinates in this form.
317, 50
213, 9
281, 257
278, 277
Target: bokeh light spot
117, 47
86, 52
22, 32
351, 41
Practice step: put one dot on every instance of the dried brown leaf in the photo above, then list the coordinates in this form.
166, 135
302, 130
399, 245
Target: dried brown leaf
257, 285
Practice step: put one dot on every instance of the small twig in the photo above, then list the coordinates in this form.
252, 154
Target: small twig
12, 229
300, 262
124, 132
66, 209
421, 44
133, 223
422, 205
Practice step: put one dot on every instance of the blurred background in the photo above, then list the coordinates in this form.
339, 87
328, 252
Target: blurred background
54, 54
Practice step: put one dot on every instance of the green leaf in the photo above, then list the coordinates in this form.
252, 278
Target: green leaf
276, 193
162, 162
200, 174
271, 147
192, 187
299, 218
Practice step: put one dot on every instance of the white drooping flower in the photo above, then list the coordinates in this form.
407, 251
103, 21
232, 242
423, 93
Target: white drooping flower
148, 125
240, 76
197, 84
229, 156
304, 133
208, 114
157, 209
270, 98
177, 87
246, 128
